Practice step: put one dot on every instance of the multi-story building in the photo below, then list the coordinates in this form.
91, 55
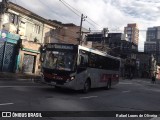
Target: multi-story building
132, 32
116, 44
69, 33
31, 29
145, 64
152, 45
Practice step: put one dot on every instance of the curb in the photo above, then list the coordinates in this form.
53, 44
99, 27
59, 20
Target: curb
20, 79
142, 80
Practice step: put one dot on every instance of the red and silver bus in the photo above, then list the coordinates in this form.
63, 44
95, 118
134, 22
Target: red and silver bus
78, 67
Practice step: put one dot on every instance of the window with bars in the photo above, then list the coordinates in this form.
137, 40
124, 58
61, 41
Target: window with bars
13, 18
36, 29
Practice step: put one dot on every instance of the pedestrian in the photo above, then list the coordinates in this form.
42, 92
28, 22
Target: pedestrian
154, 78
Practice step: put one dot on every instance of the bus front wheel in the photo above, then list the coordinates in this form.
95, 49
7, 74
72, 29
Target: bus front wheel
87, 86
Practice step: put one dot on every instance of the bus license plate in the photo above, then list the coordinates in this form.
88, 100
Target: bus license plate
53, 83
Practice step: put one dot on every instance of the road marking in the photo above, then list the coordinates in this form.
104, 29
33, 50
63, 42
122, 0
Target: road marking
124, 83
125, 91
6, 103
24, 86
158, 118
153, 89
88, 97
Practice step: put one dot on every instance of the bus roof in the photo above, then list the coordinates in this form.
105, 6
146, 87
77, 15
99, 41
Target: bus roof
97, 52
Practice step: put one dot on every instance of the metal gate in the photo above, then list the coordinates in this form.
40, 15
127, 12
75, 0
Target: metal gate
1, 54
28, 63
9, 57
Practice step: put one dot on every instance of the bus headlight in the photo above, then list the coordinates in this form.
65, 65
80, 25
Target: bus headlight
73, 77
70, 79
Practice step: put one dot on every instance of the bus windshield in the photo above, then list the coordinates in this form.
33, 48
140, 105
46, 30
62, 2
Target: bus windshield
60, 60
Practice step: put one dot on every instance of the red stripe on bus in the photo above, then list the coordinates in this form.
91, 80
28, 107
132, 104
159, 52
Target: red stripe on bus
106, 77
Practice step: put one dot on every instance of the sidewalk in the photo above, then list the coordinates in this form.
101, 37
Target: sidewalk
141, 80
18, 76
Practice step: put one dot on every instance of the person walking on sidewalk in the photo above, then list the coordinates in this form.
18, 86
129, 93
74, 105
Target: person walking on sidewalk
154, 78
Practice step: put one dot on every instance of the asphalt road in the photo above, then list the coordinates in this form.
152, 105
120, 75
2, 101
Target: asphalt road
128, 95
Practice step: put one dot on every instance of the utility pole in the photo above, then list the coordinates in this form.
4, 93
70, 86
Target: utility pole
105, 32
5, 1
5, 6
80, 31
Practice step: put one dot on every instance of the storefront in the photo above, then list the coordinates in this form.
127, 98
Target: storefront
8, 51
29, 57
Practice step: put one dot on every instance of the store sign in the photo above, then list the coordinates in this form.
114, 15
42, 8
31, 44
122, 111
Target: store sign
9, 37
13, 36
3, 35
30, 45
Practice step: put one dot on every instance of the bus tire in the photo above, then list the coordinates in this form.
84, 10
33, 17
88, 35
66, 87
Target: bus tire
57, 87
87, 86
108, 85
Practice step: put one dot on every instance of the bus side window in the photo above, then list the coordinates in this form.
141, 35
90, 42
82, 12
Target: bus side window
92, 60
83, 61
83, 58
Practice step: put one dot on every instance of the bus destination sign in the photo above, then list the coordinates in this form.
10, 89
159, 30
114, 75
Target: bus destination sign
57, 46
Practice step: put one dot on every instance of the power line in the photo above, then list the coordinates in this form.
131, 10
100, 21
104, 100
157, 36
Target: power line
30, 21
94, 22
52, 10
69, 8
80, 13
73, 10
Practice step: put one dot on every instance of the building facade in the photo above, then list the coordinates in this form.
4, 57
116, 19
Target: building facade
8, 51
152, 44
31, 29
132, 32
69, 33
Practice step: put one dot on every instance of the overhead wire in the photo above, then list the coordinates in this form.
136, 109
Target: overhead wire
72, 31
33, 23
72, 8
78, 11
43, 3
69, 8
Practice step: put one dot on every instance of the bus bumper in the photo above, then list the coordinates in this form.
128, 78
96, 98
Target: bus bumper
68, 85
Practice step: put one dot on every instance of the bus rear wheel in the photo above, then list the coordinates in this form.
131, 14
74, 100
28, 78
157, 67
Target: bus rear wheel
87, 86
108, 85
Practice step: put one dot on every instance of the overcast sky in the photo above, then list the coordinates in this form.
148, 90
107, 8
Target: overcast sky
112, 14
